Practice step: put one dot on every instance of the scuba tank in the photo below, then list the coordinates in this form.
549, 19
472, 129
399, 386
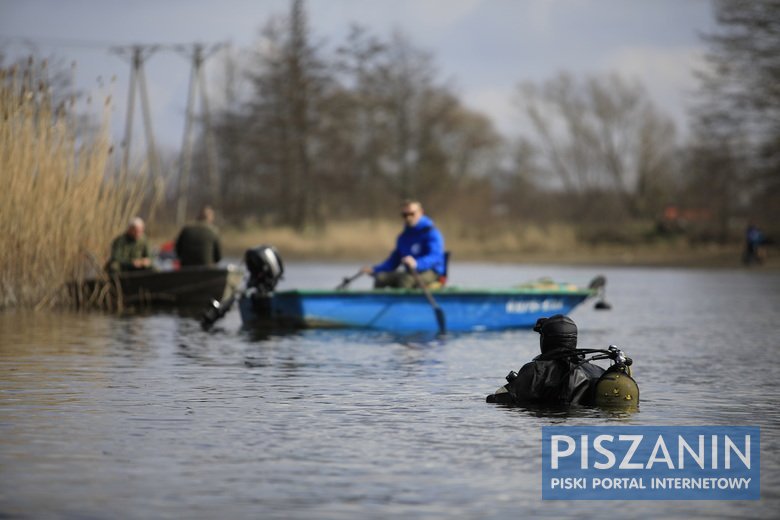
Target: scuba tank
616, 388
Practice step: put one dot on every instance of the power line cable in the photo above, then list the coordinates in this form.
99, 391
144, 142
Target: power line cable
33, 41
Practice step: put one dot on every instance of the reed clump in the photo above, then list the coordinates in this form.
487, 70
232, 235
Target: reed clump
61, 201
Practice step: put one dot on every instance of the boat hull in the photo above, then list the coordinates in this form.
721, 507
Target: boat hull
185, 287
408, 310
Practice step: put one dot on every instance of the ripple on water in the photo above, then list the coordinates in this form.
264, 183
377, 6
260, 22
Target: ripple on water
149, 416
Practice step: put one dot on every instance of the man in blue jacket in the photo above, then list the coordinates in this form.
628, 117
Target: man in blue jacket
420, 247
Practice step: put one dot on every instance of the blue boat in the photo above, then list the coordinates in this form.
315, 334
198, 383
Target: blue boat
409, 311
397, 310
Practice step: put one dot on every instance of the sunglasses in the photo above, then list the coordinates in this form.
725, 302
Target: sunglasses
405, 214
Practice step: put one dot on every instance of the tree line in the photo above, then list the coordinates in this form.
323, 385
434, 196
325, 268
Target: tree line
334, 137
311, 134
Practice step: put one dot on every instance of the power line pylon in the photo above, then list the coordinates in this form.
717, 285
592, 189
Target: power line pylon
198, 55
138, 54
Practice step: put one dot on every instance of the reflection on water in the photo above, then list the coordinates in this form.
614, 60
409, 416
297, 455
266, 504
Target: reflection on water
148, 416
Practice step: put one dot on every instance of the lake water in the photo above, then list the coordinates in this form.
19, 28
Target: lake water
105, 417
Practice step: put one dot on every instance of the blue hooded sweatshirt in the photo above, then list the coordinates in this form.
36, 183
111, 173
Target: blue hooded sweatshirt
424, 242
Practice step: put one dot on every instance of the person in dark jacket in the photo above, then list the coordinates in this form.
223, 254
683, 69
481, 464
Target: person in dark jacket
754, 239
558, 376
198, 243
420, 247
130, 250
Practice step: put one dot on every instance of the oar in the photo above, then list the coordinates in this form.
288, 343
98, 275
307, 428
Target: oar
436, 309
346, 281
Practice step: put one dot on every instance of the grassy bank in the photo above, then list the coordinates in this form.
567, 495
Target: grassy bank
59, 206
370, 241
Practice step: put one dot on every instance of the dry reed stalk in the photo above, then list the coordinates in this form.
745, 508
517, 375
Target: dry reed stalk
61, 202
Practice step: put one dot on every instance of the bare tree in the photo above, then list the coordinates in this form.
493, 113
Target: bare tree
408, 89
408, 133
601, 134
738, 113
360, 121
281, 121
337, 136
433, 138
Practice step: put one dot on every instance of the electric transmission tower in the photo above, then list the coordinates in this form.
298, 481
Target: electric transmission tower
198, 53
137, 55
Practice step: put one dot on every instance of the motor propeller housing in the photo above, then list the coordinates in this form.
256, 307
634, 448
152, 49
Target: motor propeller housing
265, 268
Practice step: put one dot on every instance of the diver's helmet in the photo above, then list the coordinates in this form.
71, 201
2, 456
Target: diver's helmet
617, 389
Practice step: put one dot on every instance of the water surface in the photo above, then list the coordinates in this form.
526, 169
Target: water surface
148, 416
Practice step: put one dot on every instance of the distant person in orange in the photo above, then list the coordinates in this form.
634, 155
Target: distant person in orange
130, 250
198, 243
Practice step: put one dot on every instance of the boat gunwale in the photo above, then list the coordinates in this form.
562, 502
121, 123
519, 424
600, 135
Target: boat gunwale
183, 271
450, 291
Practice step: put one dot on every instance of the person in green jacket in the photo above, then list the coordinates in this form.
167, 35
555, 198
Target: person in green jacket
130, 250
198, 243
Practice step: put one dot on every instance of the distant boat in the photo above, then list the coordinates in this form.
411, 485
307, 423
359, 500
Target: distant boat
409, 311
184, 287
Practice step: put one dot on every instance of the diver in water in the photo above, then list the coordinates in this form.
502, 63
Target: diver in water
561, 375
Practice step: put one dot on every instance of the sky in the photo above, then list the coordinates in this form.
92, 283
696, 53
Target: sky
482, 48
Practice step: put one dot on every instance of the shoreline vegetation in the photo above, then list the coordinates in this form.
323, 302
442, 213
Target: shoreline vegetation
366, 241
598, 179
61, 202
65, 198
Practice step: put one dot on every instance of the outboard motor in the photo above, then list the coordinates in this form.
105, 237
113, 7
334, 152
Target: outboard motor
265, 268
